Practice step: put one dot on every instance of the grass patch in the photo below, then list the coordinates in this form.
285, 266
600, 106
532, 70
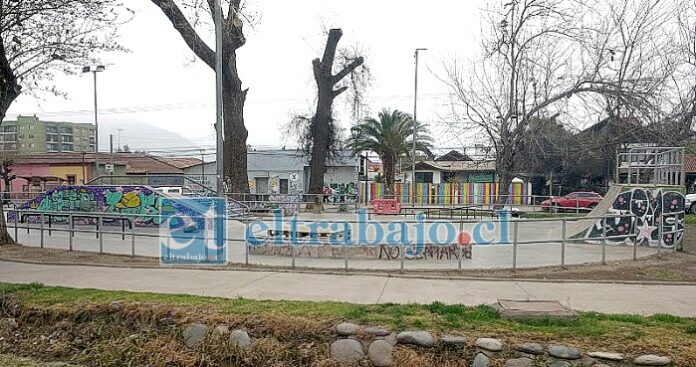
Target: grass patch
690, 219
12, 361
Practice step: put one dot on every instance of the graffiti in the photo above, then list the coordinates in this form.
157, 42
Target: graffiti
641, 214
131, 200
288, 203
340, 192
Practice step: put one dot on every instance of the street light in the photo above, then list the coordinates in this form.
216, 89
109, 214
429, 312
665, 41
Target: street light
94, 70
415, 122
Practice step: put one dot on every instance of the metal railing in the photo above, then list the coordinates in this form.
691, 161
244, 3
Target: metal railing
104, 224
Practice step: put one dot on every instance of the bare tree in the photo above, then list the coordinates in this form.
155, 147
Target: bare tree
536, 56
321, 127
234, 97
42, 37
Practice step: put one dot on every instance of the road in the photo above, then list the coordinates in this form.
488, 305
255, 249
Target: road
363, 289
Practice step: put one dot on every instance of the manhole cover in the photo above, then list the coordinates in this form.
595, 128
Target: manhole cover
533, 309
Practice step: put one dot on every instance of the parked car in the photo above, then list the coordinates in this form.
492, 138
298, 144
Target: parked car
572, 201
690, 203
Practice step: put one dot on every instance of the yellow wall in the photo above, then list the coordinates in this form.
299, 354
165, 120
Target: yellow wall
64, 171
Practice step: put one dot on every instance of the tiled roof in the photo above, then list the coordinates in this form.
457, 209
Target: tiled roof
136, 163
690, 163
180, 162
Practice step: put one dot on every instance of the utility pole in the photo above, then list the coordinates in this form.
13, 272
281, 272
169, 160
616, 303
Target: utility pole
111, 157
219, 124
94, 70
415, 123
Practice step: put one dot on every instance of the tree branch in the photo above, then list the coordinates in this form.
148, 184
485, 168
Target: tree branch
182, 25
347, 70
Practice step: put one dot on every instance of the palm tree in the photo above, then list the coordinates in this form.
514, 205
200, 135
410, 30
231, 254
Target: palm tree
390, 136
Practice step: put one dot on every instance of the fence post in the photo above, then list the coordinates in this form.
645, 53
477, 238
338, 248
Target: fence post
292, 248
246, 243
15, 223
402, 255
604, 241
41, 227
345, 255
132, 228
514, 246
659, 237
563, 242
70, 235
459, 245
101, 235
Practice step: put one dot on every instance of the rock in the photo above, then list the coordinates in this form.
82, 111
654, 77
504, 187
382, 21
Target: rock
221, 330
377, 331
481, 360
420, 338
346, 329
530, 348
560, 364
116, 306
195, 334
564, 352
608, 356
391, 339
380, 353
9, 305
347, 350
652, 360
601, 365
453, 340
519, 362
489, 344
240, 338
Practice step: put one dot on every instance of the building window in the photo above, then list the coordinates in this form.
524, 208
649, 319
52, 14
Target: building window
66, 147
51, 130
66, 130
284, 186
67, 139
424, 177
71, 179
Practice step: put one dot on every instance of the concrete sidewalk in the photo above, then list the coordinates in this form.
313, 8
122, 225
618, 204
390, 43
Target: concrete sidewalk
366, 289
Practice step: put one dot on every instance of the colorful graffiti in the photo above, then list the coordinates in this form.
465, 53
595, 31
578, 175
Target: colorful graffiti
146, 205
641, 214
340, 192
452, 193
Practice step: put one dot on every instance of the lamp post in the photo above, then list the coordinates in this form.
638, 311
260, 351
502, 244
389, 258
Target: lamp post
415, 123
94, 70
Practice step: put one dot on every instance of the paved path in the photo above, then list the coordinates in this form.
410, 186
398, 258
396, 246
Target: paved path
607, 298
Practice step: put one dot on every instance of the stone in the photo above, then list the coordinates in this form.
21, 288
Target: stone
346, 329
533, 309
377, 331
347, 350
420, 338
195, 334
530, 348
519, 362
221, 330
116, 306
560, 364
652, 360
564, 352
240, 338
453, 340
489, 344
380, 353
601, 365
608, 356
481, 360
391, 339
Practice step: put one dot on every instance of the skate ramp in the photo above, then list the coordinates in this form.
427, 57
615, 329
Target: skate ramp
578, 227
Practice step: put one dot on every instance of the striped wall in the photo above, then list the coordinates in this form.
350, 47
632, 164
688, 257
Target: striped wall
463, 193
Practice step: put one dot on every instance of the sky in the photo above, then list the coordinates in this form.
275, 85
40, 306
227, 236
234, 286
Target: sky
160, 83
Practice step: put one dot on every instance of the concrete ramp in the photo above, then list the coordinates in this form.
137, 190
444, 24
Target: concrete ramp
578, 227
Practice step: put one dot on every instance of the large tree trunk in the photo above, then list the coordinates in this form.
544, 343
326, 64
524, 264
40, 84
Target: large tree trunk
235, 148
505, 167
9, 90
388, 163
320, 124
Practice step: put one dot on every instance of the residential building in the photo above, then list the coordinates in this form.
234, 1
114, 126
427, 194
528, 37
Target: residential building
29, 135
452, 167
284, 172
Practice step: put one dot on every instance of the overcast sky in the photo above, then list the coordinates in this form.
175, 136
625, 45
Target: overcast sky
159, 83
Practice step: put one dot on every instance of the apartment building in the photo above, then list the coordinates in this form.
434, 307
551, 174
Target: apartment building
29, 134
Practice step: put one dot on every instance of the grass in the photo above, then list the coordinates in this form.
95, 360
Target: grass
436, 316
690, 219
12, 361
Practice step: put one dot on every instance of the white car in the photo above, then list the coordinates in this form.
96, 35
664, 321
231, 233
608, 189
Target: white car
689, 203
